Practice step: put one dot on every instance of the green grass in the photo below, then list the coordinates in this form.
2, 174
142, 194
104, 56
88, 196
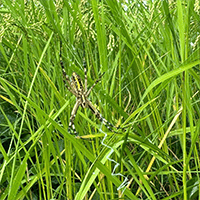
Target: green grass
150, 55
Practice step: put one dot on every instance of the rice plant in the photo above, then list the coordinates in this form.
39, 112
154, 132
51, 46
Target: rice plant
149, 54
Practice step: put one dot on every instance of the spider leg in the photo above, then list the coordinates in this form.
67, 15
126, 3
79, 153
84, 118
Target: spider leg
94, 84
71, 127
85, 72
85, 67
65, 76
100, 117
67, 80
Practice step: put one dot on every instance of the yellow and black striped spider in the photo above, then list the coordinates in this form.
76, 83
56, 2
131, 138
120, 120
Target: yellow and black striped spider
81, 92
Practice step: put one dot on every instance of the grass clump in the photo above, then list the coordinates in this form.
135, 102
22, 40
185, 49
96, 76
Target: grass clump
149, 52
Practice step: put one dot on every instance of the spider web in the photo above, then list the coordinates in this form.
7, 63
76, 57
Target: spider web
125, 182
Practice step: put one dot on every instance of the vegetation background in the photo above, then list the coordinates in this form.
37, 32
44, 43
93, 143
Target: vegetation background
149, 51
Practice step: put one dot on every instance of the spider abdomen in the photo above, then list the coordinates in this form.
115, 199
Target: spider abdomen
77, 83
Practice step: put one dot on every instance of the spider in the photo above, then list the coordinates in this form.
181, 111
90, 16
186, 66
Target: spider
76, 87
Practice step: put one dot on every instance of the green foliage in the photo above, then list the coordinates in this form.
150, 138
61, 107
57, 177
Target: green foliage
149, 51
